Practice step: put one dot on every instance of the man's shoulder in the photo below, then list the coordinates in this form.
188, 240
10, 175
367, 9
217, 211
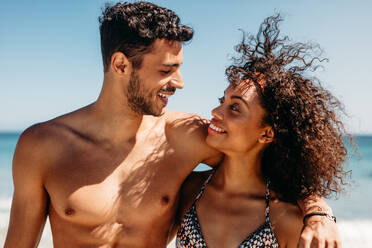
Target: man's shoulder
61, 130
187, 133
172, 115
185, 122
36, 149
186, 130
41, 136
38, 133
48, 138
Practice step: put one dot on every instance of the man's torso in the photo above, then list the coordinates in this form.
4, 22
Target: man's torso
106, 196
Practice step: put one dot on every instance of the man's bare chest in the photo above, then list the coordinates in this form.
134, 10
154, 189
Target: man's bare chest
93, 187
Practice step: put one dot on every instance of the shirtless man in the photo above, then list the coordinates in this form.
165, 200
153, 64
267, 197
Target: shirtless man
109, 174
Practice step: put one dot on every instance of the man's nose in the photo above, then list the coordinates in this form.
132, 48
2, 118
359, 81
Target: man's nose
176, 81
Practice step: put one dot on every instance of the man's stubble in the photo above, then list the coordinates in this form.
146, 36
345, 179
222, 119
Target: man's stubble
139, 100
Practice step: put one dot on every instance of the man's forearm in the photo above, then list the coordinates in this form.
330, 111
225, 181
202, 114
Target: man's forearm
319, 229
314, 204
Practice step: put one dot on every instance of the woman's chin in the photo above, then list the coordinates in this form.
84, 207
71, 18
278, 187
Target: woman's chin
212, 142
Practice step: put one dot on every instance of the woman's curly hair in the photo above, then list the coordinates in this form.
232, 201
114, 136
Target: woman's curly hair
308, 152
131, 28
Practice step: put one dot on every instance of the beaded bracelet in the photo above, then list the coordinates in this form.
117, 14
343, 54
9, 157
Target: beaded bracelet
328, 216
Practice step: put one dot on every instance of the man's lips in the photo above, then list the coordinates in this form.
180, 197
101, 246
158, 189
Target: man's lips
164, 96
165, 92
213, 127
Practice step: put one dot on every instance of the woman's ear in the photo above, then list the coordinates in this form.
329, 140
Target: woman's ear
267, 135
120, 63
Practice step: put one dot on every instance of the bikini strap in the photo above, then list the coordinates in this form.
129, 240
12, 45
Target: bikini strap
267, 199
203, 187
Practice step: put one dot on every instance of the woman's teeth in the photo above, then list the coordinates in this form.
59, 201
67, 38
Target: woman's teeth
217, 129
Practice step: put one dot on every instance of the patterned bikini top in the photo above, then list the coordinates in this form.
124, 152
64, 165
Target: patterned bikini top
189, 234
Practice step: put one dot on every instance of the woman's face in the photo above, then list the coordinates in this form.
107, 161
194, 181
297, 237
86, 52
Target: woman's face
237, 126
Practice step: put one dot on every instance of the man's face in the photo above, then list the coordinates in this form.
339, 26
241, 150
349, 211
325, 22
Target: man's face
157, 79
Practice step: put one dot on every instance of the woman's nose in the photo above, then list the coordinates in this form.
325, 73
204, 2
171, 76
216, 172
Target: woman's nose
217, 113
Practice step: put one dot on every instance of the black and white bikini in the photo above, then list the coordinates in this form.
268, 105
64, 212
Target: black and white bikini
189, 234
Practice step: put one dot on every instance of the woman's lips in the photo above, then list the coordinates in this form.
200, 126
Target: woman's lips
215, 129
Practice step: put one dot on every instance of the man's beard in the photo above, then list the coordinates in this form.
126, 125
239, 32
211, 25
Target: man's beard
139, 100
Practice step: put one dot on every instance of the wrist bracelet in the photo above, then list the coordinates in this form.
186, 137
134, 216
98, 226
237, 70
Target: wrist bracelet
328, 216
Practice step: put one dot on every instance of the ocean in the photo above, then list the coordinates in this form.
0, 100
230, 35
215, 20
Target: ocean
353, 208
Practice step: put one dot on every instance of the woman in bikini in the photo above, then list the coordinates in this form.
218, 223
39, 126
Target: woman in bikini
282, 140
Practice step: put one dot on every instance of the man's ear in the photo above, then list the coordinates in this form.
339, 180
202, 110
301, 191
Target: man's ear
267, 135
120, 63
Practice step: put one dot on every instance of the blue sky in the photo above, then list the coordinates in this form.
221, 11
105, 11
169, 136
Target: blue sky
50, 60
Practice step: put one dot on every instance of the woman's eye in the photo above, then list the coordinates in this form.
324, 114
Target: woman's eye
234, 107
165, 72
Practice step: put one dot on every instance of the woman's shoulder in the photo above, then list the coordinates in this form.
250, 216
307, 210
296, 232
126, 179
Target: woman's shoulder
198, 177
286, 221
193, 183
191, 188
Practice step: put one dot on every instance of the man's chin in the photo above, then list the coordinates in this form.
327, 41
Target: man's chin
159, 113
155, 112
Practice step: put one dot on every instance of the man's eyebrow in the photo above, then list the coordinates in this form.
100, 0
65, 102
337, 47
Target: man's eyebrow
241, 99
172, 65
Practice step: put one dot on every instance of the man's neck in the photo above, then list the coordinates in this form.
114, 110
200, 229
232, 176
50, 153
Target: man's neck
115, 120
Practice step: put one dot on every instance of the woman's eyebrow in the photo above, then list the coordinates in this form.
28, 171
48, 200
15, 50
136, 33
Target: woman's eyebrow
240, 98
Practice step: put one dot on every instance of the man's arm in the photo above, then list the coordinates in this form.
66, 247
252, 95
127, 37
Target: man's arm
190, 132
318, 231
29, 205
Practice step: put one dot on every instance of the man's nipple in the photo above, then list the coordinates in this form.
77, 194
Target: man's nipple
165, 200
69, 211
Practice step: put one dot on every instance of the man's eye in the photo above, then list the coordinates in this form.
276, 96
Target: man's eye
166, 72
221, 100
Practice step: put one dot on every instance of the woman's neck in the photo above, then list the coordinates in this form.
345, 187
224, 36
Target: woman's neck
239, 174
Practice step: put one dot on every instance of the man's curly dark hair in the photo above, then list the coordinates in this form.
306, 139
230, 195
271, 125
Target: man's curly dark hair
307, 154
131, 28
